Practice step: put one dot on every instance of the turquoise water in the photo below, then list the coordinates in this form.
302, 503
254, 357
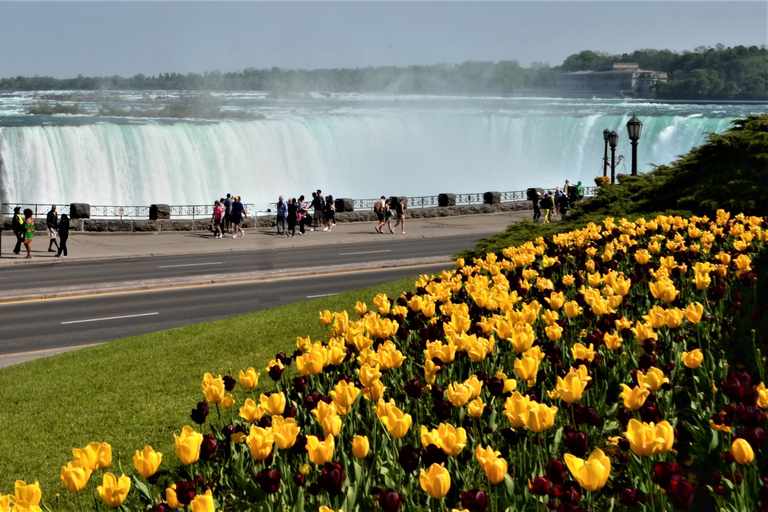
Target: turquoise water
358, 146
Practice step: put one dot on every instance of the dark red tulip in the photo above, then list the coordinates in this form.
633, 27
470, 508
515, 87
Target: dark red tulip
300, 445
185, 492
728, 457
511, 436
390, 501
269, 480
311, 400
229, 382
539, 486
408, 457
200, 412
284, 359
567, 491
577, 443
474, 500
413, 388
208, 446
299, 479
332, 478
496, 386
629, 496
556, 471
719, 489
434, 455
442, 409
663, 472
300, 384
265, 422
680, 493
275, 372
291, 412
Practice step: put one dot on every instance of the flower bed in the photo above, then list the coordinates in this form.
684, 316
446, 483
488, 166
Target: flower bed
606, 367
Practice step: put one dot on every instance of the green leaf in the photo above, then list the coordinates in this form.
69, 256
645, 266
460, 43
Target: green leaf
142, 488
556, 443
715, 443
349, 501
299, 505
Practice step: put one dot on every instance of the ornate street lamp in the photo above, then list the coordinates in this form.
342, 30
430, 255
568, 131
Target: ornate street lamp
606, 134
634, 129
613, 140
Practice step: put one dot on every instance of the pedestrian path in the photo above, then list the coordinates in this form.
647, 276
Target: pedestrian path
84, 246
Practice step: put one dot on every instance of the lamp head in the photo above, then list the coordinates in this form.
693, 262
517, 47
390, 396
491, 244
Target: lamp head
634, 129
606, 134
613, 139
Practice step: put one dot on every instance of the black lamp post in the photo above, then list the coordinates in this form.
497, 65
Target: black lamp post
634, 129
606, 134
613, 140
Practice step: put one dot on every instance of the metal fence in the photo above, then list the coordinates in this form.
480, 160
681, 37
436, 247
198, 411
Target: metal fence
198, 211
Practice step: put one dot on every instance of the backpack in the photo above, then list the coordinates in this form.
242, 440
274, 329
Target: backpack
377, 207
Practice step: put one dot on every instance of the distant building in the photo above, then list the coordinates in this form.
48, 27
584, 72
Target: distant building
623, 79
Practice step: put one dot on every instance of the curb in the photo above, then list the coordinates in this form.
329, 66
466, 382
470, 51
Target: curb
219, 279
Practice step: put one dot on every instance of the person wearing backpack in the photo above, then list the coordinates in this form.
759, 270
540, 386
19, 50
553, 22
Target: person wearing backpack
546, 204
379, 207
18, 229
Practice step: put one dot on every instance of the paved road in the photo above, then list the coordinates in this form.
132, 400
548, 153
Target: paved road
56, 325
84, 272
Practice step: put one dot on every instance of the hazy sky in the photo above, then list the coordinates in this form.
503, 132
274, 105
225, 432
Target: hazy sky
64, 39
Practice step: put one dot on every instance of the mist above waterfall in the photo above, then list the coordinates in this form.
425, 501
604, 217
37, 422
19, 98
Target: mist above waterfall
359, 146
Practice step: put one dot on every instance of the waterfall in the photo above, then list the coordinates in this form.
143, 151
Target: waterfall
361, 155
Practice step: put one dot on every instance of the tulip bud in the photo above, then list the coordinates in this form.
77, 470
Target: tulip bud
360, 446
742, 452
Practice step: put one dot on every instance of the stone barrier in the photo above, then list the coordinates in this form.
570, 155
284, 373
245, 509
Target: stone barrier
492, 198
445, 200
159, 211
79, 211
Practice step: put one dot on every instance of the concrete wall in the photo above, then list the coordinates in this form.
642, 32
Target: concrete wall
141, 226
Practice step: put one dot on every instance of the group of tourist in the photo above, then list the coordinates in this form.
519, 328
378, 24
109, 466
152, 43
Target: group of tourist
228, 215
384, 208
318, 213
24, 229
557, 203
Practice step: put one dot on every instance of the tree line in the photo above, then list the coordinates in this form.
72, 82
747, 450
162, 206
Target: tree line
705, 73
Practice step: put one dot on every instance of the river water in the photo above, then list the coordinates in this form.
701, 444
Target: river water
348, 145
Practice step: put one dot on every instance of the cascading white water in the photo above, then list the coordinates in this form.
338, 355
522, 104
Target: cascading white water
359, 154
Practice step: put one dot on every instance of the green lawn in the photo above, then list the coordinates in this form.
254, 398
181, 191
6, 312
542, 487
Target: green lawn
140, 390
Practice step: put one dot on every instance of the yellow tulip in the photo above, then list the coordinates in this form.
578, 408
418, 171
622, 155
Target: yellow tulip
213, 388
251, 412
376, 392
571, 387
361, 308
310, 363
509, 384
521, 337
554, 332
540, 417
647, 439
228, 402
555, 300
6, 502
74, 476
702, 280
612, 340
249, 379
693, 359
452, 439
496, 470
642, 256
188, 445
458, 394
369, 374
526, 369
260, 442
634, 398
171, 498
344, 395
673, 318
436, 482
475, 408
664, 289
652, 379
572, 309
147, 461
486, 455
94, 456
475, 385
360, 446
284, 432
325, 317
397, 423
516, 409
693, 312
579, 351
593, 473
762, 396
320, 452
644, 332
203, 503
328, 418
273, 404
113, 490
28, 493
742, 451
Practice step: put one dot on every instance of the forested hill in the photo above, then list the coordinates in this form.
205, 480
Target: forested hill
706, 73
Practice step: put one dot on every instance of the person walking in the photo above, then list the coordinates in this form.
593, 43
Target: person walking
533, 195
238, 210
52, 223
282, 213
302, 213
564, 204
292, 218
218, 219
18, 229
400, 215
318, 205
227, 213
63, 235
29, 232
329, 215
546, 205
558, 195
379, 207
580, 190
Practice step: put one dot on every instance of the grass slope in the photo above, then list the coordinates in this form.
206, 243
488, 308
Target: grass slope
140, 390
